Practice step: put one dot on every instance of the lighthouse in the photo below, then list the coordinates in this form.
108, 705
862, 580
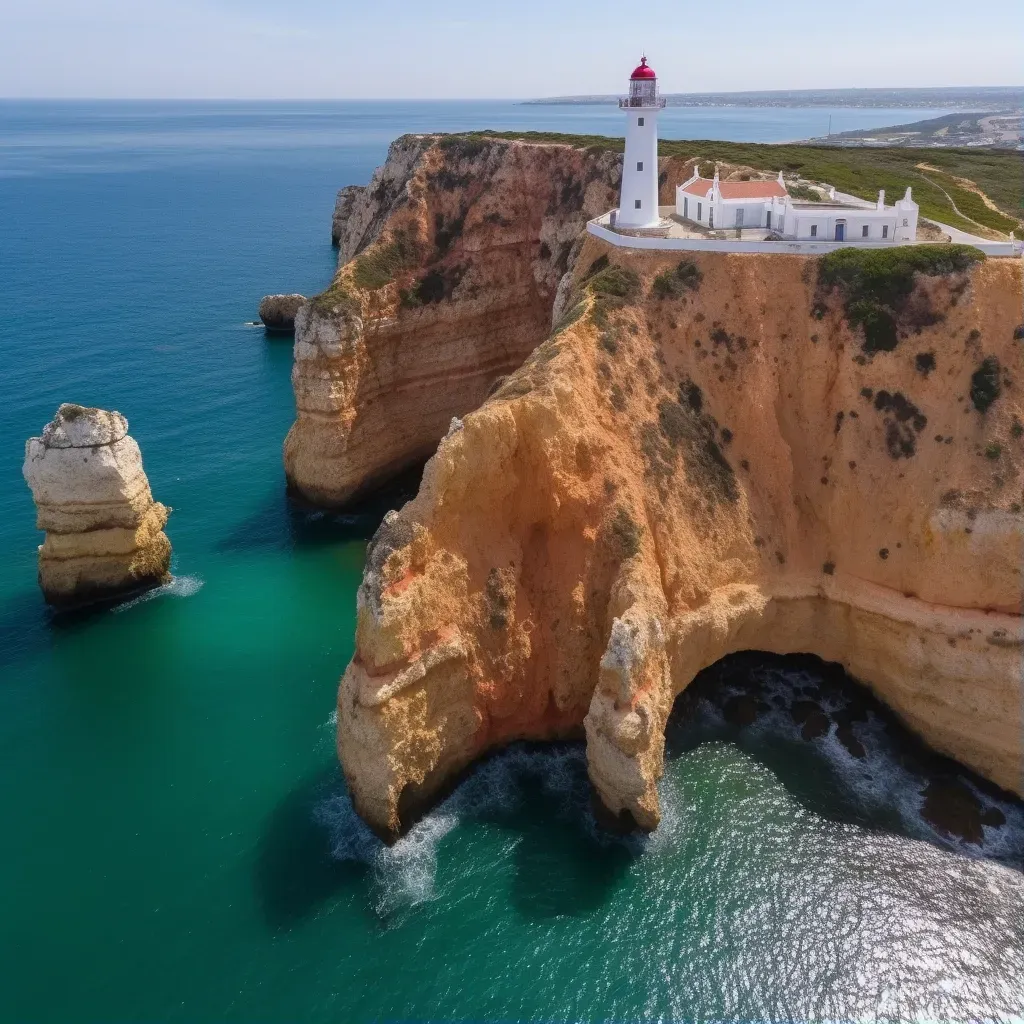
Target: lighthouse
638, 201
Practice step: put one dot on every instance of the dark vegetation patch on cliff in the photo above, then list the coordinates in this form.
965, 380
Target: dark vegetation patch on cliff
381, 263
500, 595
625, 532
675, 283
337, 299
683, 427
434, 286
902, 420
985, 384
877, 284
447, 229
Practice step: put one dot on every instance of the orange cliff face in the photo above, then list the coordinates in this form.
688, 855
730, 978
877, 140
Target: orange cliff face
734, 452
450, 260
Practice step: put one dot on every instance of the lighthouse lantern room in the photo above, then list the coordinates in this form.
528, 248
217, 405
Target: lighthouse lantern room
638, 200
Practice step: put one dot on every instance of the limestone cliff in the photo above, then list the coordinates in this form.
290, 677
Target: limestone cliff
450, 262
731, 452
104, 532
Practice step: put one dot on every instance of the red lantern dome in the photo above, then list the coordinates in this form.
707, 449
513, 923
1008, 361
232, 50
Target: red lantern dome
642, 71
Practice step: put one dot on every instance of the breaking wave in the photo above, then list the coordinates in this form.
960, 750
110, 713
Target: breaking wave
179, 586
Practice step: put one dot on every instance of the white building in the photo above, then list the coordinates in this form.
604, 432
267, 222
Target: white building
638, 200
768, 205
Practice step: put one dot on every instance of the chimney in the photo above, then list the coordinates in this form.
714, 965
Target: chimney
881, 199
907, 196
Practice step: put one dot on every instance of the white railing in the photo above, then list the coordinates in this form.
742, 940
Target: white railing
641, 101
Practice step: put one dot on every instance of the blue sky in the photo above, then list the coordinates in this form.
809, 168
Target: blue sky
458, 48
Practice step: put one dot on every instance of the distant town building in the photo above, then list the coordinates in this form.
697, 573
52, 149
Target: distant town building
768, 205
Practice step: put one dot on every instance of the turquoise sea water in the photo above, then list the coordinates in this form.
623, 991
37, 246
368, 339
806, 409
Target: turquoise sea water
175, 840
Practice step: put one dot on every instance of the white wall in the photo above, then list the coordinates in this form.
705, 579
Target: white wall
640, 186
599, 230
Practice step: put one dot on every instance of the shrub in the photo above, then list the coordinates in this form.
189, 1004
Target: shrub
673, 284
462, 147
877, 283
447, 230
337, 298
380, 263
626, 532
804, 192
614, 282
985, 385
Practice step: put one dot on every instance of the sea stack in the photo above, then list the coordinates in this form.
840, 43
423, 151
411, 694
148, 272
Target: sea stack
278, 312
104, 531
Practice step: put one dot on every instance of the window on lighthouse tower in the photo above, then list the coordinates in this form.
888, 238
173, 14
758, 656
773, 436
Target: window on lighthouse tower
639, 122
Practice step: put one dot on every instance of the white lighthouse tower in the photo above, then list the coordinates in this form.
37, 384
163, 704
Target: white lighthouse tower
638, 201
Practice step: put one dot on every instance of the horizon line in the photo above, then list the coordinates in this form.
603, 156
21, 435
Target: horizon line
492, 99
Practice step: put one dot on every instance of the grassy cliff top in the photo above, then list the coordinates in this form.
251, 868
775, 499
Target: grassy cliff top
947, 183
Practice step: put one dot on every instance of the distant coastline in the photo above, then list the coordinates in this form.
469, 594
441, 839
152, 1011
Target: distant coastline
982, 98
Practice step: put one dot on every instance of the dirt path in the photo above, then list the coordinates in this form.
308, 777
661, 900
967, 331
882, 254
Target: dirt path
956, 210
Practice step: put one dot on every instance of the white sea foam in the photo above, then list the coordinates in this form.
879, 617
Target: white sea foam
179, 586
404, 874
880, 781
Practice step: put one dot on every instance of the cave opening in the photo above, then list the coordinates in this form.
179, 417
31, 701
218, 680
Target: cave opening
843, 754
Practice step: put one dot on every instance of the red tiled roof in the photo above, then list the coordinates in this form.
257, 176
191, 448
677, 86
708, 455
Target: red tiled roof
737, 189
699, 187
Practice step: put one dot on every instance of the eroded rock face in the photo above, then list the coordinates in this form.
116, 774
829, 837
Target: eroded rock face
704, 458
278, 312
450, 264
104, 532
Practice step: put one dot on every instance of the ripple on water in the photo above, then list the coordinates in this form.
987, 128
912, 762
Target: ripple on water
788, 879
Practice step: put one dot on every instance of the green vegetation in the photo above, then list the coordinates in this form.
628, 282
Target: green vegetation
446, 230
379, 265
673, 284
614, 282
626, 532
985, 384
804, 192
876, 284
463, 147
970, 204
993, 450
337, 297
857, 171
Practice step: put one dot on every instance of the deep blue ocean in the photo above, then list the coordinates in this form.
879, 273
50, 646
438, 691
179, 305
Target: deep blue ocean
175, 839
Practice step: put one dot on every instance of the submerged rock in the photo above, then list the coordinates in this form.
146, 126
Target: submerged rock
278, 312
950, 807
104, 531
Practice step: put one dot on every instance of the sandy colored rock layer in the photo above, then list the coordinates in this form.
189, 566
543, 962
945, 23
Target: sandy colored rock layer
104, 532
450, 261
703, 459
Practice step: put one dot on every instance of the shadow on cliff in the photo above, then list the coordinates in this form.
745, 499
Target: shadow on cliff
295, 874
284, 523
